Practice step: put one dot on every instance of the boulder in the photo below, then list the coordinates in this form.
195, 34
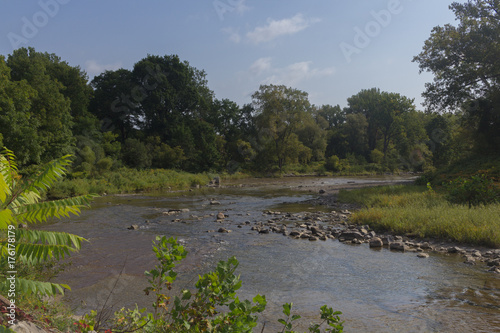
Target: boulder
426, 246
223, 230
376, 242
398, 246
214, 203
221, 216
423, 255
469, 260
351, 234
133, 227
454, 249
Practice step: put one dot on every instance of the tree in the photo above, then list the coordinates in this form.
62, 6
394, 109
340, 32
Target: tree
366, 102
334, 115
18, 129
280, 112
383, 112
19, 203
465, 61
175, 101
49, 106
113, 104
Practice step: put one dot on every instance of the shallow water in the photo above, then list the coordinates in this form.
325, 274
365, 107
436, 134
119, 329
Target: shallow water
377, 291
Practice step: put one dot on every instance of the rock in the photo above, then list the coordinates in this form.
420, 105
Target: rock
350, 235
133, 227
313, 238
264, 231
398, 246
454, 249
27, 327
423, 255
322, 191
214, 203
387, 239
476, 254
223, 230
470, 260
221, 216
356, 241
493, 262
426, 246
376, 242
295, 233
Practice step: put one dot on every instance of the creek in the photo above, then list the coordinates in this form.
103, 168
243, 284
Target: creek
377, 290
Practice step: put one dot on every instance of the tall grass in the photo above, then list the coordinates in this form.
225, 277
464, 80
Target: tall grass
128, 181
413, 209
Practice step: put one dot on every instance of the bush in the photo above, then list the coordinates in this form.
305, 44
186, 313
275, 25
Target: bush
333, 164
476, 190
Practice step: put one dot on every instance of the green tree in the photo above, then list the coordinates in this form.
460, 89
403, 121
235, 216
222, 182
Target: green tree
383, 112
18, 128
19, 203
175, 102
49, 106
280, 112
113, 103
465, 61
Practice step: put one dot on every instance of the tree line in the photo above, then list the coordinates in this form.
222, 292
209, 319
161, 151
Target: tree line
162, 114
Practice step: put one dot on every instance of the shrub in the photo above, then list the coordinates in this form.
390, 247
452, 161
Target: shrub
474, 191
333, 164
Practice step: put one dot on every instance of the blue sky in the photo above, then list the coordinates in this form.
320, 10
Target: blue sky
329, 48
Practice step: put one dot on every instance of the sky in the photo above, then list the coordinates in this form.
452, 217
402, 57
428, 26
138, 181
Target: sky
331, 49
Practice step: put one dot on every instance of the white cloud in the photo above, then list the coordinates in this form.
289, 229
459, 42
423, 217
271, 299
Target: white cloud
296, 73
241, 7
93, 68
234, 34
274, 29
260, 66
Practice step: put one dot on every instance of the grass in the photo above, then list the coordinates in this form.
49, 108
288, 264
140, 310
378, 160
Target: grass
128, 181
417, 211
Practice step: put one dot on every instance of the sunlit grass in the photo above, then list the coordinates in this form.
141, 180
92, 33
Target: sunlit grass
413, 209
128, 181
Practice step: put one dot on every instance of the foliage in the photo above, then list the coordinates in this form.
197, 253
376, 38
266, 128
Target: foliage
280, 113
328, 316
19, 203
466, 65
474, 191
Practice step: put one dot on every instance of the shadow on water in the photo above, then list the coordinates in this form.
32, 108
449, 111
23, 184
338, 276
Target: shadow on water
376, 290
